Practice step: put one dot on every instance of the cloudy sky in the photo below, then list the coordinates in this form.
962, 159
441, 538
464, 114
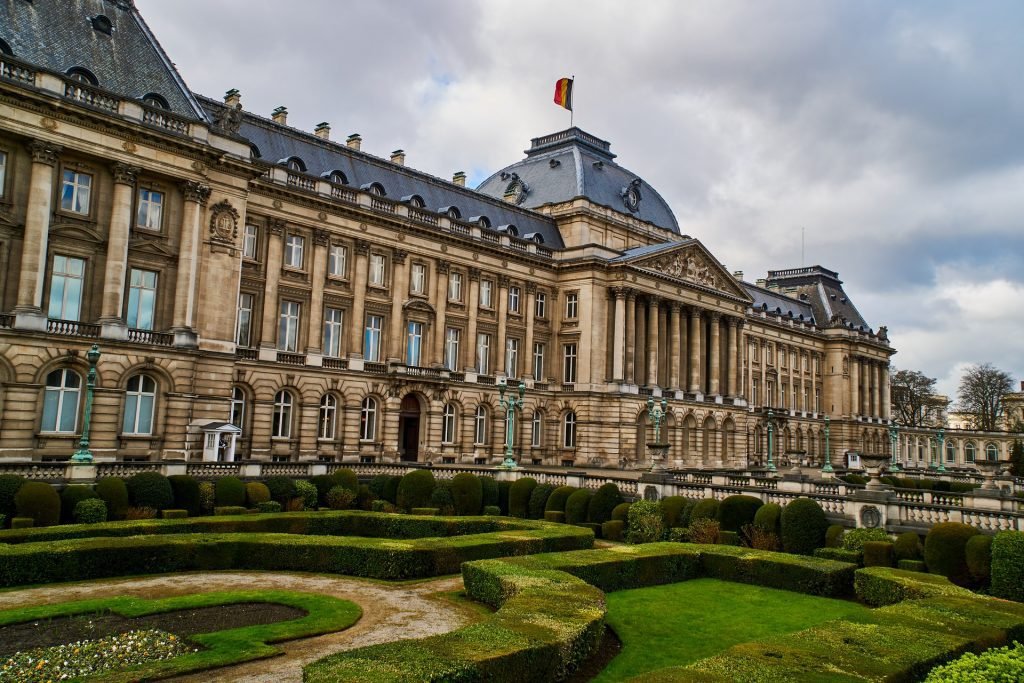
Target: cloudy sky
891, 134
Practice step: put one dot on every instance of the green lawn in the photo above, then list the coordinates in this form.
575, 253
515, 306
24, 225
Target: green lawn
680, 623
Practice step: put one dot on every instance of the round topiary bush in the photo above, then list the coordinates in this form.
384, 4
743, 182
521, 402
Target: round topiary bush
229, 492
347, 478
769, 517
908, 547
577, 506
255, 493
70, 497
645, 522
308, 493
9, 485
364, 498
325, 482
704, 509
441, 497
282, 489
735, 512
998, 664
504, 488
414, 490
605, 499
803, 526
834, 536
468, 493
556, 501
1008, 565
613, 530
945, 551
90, 511
207, 497
978, 553
340, 498
490, 492
150, 490
114, 492
519, 497
492, 510
538, 500
39, 501
621, 512
854, 539
877, 553
676, 510
391, 489
186, 494
268, 506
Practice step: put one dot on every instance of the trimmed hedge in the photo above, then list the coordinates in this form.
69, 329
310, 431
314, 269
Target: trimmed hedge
1008, 565
90, 511
489, 487
945, 551
22, 523
834, 536
325, 482
38, 500
1002, 664
271, 505
467, 494
186, 494
174, 514
605, 500
282, 489
391, 489
621, 512
676, 511
70, 497
803, 526
150, 490
558, 497
735, 512
9, 485
114, 492
646, 525
311, 496
851, 556
704, 509
878, 554
229, 491
769, 517
908, 546
519, 497
492, 510
227, 510
912, 565
415, 489
256, 492
577, 506
430, 512
554, 516
854, 539
346, 477
538, 501
441, 499
978, 553
613, 530
877, 586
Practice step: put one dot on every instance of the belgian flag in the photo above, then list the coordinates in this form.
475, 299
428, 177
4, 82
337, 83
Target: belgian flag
563, 93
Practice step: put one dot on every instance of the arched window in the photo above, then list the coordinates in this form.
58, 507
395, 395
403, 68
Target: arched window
451, 211
295, 164
375, 189
102, 23
414, 200
992, 452
154, 100
480, 426
569, 430
82, 75
5, 49
139, 401
60, 401
368, 419
951, 451
537, 431
448, 424
238, 407
969, 451
254, 152
481, 221
281, 427
336, 177
328, 417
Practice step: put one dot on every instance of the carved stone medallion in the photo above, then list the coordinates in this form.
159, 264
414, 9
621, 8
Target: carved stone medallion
223, 222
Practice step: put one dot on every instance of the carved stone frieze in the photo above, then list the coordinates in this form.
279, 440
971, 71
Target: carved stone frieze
224, 222
689, 266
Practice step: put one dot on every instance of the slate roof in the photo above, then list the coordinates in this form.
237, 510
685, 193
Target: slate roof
573, 163
59, 34
776, 301
648, 250
277, 143
823, 291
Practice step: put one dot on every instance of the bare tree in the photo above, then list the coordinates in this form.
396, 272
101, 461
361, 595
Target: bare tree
981, 395
912, 393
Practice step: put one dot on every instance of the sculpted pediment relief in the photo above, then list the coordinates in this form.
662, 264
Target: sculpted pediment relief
693, 264
76, 231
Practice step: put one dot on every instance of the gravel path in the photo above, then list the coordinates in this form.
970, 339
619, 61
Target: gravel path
411, 610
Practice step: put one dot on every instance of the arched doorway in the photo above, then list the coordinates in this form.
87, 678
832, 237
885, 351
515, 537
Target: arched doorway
410, 420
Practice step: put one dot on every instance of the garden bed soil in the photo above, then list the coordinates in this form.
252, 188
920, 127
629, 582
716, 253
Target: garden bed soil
182, 623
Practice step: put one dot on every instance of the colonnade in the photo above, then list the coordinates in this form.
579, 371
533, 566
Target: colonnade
869, 387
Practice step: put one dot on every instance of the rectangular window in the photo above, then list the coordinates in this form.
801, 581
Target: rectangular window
569, 363
75, 192
294, 248
250, 240
755, 393
785, 392
66, 286
817, 400
418, 279
512, 357
288, 327
451, 348
804, 404
455, 287
486, 288
414, 344
537, 429
141, 299
151, 209
337, 260
371, 342
334, 322
540, 305
483, 353
769, 394
377, 270
513, 299
572, 306
768, 348
3, 172
538, 361
782, 357
243, 335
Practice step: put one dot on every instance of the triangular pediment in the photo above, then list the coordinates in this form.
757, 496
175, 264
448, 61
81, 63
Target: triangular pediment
76, 231
151, 247
690, 262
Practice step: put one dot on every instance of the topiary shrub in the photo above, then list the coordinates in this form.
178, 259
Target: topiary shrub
1008, 565
728, 538
229, 492
704, 509
556, 501
645, 522
9, 485
519, 497
621, 512
945, 551
613, 530
834, 536
998, 664
468, 493
577, 506
735, 512
605, 499
854, 539
186, 494
382, 506
908, 547
490, 492
364, 498
538, 500
704, 530
223, 510
347, 478
256, 492
759, 538
340, 498
90, 511
135, 513
22, 523
150, 490
803, 526
877, 553
428, 512
676, 511
912, 565
376, 485
282, 489
391, 489
504, 488
39, 501
554, 516
768, 517
207, 497
840, 555
268, 506
414, 489
174, 514
978, 553
114, 492
441, 498
492, 510
855, 479
325, 482
308, 493
70, 497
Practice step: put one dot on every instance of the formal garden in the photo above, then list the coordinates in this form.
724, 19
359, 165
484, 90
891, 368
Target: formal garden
549, 583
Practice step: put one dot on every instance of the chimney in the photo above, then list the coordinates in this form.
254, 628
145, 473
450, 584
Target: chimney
761, 282
459, 178
280, 115
398, 157
510, 195
738, 274
323, 130
353, 141
233, 98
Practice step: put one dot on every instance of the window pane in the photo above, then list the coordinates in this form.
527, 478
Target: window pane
69, 410
131, 404
51, 401
145, 414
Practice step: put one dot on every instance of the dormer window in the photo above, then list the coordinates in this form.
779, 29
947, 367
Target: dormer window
336, 177
155, 101
5, 49
254, 152
509, 230
82, 75
534, 237
295, 164
482, 221
375, 189
451, 212
102, 24
414, 200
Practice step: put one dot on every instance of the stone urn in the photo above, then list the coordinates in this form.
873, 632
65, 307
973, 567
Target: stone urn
873, 464
989, 469
658, 453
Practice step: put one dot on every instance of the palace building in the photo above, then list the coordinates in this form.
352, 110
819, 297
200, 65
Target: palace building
332, 304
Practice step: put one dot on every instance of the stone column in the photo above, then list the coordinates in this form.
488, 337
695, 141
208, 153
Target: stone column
526, 354
854, 364
441, 308
275, 250
196, 195
696, 332
886, 397
618, 334
29, 312
629, 361
503, 284
865, 379
673, 347
652, 342
763, 360
682, 351
876, 377
730, 388
715, 372
358, 323
812, 358
474, 306
399, 288
640, 371
315, 332
743, 366
117, 251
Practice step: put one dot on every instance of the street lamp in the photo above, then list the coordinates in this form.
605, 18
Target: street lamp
83, 455
771, 432
511, 405
827, 467
940, 437
894, 435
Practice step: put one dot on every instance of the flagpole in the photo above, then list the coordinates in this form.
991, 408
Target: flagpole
572, 102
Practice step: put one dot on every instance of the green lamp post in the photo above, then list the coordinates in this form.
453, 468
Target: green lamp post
83, 455
894, 436
827, 466
511, 405
771, 433
940, 438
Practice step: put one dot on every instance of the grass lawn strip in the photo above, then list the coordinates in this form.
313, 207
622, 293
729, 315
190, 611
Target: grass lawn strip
325, 614
683, 622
